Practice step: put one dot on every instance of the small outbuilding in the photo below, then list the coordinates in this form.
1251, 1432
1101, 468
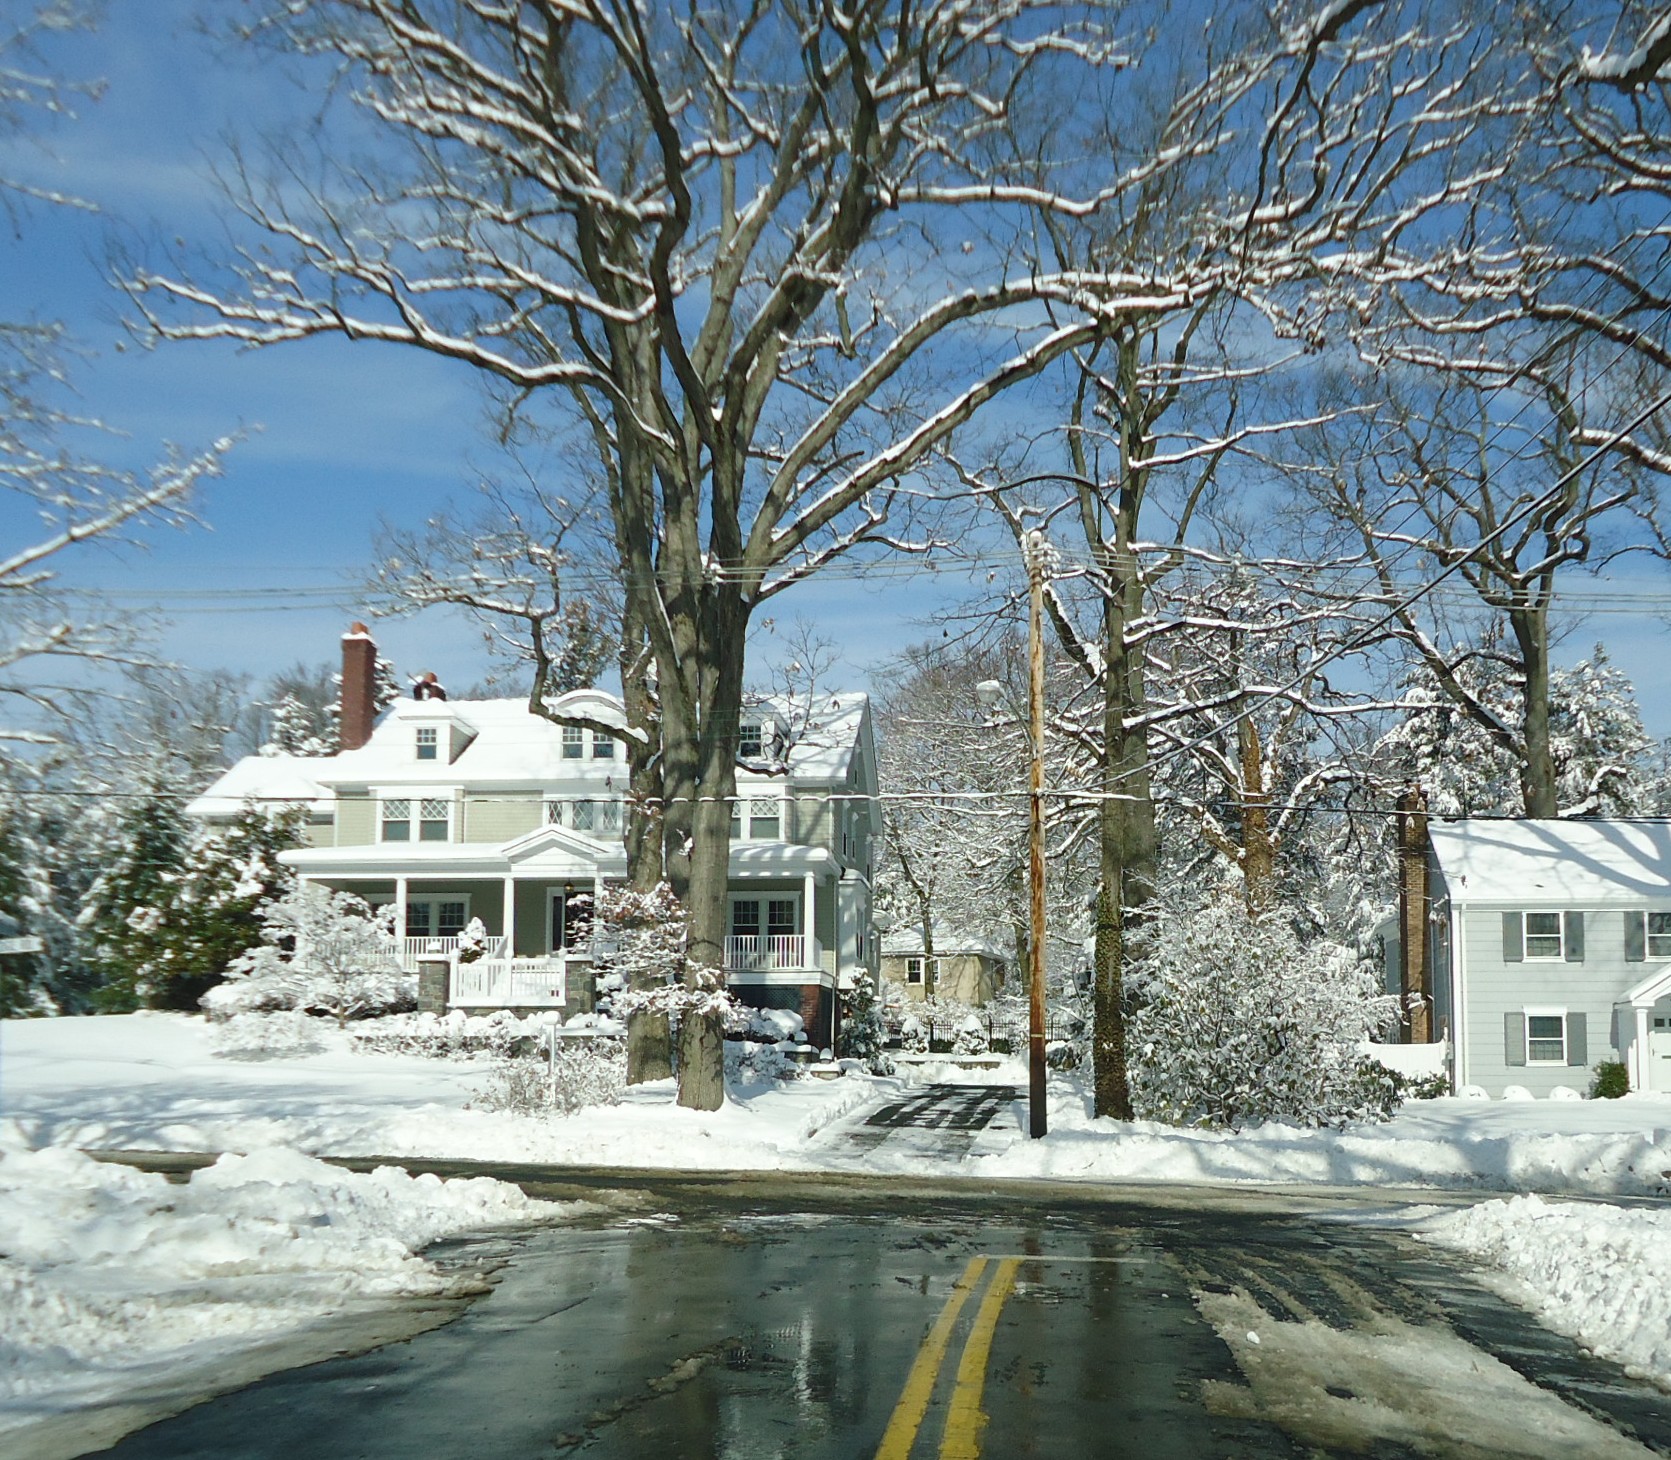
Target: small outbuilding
963, 966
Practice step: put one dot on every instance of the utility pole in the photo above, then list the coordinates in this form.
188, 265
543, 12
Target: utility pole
1035, 548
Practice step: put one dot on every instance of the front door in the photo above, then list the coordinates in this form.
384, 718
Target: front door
1659, 1052
571, 919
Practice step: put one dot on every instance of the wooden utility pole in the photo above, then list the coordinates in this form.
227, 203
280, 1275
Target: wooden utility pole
1036, 1122
1415, 979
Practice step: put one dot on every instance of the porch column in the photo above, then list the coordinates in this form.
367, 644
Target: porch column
809, 921
400, 914
509, 924
1640, 1062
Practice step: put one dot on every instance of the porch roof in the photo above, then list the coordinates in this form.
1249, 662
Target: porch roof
1656, 986
546, 852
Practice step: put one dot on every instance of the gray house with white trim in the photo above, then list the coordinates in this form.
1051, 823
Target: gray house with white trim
1551, 950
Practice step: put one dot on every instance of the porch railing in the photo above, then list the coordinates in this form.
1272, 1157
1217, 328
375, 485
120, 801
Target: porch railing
499, 983
410, 950
765, 952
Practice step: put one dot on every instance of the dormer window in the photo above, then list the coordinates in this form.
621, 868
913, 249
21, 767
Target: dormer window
603, 747
751, 741
574, 742
429, 742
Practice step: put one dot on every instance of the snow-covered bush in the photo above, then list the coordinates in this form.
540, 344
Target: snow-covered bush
323, 952
639, 939
747, 1061
765, 1026
472, 941
455, 1035
578, 1074
1238, 1021
862, 1029
913, 1035
252, 1036
970, 1037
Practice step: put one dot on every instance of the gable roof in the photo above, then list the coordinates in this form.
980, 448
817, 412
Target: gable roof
949, 942
1571, 863
265, 779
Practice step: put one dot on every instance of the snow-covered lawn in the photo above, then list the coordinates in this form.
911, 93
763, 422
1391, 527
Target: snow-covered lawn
114, 1280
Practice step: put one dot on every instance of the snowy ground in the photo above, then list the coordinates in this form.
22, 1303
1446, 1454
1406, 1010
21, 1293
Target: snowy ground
115, 1280
1595, 1270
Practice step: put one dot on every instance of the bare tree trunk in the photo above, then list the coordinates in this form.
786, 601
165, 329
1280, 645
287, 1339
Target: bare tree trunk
701, 1061
649, 1046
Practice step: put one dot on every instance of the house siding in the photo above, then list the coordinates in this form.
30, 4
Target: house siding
501, 816
1497, 987
356, 819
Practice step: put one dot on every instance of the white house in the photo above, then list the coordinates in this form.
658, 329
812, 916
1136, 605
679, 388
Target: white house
454, 810
1551, 950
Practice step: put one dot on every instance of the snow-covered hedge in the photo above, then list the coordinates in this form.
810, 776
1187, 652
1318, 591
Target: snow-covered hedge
1238, 1022
578, 1074
455, 1035
251, 1036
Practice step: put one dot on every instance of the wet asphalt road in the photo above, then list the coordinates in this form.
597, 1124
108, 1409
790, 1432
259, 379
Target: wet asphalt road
714, 1316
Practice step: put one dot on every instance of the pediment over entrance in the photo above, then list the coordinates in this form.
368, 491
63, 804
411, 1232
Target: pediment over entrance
558, 852
1656, 986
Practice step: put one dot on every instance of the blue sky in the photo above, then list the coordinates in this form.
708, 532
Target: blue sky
337, 436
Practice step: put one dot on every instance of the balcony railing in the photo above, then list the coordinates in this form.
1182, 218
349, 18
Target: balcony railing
765, 953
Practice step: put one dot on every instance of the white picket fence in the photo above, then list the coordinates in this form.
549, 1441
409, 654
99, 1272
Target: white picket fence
510, 983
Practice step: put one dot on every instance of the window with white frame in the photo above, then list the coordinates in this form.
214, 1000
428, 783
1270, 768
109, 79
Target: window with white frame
597, 817
750, 740
428, 742
915, 967
1546, 1036
1659, 935
1543, 935
603, 747
415, 818
757, 818
437, 917
574, 742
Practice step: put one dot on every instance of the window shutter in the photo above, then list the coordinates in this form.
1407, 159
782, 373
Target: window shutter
1576, 1052
1573, 924
1636, 937
1514, 943
1514, 1039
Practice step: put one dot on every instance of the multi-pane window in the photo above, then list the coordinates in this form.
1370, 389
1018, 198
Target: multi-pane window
1659, 935
1546, 1038
781, 913
745, 919
750, 741
429, 742
432, 815
914, 968
599, 817
764, 819
1543, 935
436, 917
603, 747
574, 742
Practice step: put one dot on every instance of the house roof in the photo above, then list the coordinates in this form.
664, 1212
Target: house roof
949, 942
265, 778
1571, 863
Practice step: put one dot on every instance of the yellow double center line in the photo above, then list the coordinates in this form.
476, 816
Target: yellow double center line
964, 1417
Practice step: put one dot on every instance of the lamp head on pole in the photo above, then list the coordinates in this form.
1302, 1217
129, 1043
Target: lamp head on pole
987, 694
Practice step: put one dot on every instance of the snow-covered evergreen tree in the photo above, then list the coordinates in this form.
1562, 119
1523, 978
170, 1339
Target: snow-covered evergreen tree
122, 916
321, 952
1603, 754
861, 1033
1238, 1021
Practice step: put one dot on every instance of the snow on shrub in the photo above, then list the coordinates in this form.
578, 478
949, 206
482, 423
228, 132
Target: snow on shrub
1238, 1022
253, 1036
862, 1028
322, 952
578, 1074
455, 1035
749, 1062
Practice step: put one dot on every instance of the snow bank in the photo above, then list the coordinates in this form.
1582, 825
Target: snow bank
110, 1275
1601, 1274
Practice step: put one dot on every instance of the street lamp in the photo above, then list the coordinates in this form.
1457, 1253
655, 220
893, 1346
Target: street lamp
988, 692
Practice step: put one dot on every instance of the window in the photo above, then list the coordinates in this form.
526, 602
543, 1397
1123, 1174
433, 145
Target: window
433, 818
764, 820
750, 742
1546, 1038
781, 917
603, 747
574, 742
580, 815
397, 821
429, 742
1543, 935
436, 917
745, 919
603, 817
1659, 935
914, 969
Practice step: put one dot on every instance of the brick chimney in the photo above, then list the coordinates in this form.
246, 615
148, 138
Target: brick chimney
359, 688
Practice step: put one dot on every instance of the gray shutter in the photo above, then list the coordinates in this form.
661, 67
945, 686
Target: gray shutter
1514, 943
1577, 1054
1514, 1039
1573, 922
1636, 937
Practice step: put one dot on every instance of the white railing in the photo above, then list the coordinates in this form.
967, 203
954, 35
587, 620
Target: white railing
410, 950
772, 951
510, 983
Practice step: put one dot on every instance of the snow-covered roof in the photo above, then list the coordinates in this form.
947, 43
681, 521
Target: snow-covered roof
1576, 864
949, 942
827, 731
265, 779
